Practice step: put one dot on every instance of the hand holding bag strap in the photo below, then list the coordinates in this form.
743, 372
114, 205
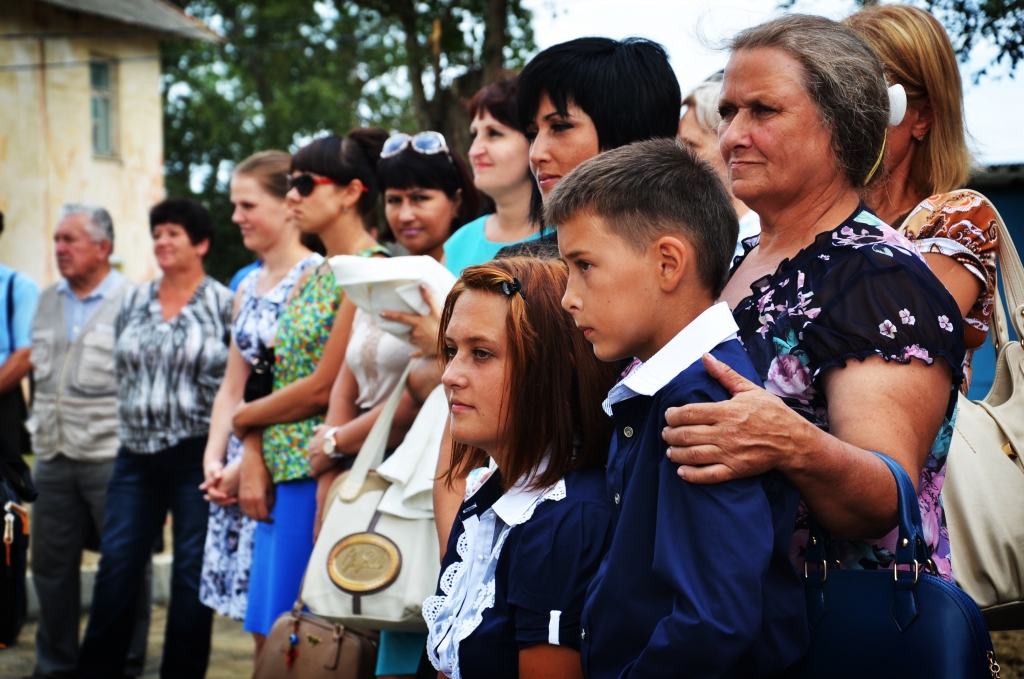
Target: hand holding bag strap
372, 452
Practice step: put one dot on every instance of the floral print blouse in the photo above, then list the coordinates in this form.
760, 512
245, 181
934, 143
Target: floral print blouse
859, 290
303, 327
961, 225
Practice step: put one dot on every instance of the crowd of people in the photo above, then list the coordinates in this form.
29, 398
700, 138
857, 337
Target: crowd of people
771, 277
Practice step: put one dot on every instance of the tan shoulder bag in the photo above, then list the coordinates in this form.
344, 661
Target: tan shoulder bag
983, 494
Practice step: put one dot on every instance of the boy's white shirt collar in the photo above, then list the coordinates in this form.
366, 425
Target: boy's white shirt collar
712, 327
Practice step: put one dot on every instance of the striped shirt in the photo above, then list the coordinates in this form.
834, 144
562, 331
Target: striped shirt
168, 372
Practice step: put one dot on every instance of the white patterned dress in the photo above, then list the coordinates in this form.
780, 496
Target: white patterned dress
224, 585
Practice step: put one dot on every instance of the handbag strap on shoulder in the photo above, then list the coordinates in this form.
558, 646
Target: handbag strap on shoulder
372, 452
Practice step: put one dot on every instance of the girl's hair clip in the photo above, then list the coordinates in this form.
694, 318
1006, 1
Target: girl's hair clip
513, 287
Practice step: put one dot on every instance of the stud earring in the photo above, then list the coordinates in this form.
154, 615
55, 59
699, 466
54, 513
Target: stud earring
345, 207
920, 138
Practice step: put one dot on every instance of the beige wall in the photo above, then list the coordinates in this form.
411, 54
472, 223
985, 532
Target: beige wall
46, 156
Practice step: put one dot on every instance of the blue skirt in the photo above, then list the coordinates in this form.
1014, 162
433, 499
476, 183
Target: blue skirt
280, 555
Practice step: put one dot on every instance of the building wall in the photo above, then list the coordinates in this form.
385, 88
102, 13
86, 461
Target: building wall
46, 156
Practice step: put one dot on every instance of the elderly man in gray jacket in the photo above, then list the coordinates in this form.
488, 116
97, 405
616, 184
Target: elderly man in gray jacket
75, 438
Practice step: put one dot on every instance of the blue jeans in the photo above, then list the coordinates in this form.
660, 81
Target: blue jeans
142, 489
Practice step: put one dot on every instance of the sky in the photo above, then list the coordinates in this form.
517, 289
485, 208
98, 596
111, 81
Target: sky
690, 29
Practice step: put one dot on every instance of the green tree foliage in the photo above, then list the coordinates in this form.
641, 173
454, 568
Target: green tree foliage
969, 22
290, 70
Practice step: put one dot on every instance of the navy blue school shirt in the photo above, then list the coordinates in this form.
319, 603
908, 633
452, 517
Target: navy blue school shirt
698, 581
543, 570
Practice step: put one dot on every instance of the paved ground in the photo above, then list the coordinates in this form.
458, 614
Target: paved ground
232, 651
231, 657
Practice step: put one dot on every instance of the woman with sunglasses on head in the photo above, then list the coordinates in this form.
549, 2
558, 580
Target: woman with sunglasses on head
525, 390
258, 187
428, 195
333, 194
500, 156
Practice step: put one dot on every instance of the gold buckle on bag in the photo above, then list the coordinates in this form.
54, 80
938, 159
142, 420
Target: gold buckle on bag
917, 570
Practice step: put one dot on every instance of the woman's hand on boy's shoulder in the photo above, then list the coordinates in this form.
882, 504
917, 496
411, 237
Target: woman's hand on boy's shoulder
747, 435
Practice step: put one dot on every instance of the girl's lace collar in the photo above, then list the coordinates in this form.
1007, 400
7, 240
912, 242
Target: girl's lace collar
467, 584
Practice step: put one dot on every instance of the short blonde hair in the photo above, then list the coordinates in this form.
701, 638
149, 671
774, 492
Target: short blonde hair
916, 53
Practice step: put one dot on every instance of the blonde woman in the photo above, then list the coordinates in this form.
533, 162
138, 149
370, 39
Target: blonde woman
927, 161
258, 188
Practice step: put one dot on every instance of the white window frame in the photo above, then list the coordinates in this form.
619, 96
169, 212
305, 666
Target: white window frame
100, 99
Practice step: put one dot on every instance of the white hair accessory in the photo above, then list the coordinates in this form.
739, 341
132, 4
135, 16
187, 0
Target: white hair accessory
897, 104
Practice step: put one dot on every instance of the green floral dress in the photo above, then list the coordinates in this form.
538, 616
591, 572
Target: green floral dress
302, 331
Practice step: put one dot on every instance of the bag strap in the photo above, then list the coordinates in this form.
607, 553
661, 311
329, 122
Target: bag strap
910, 546
372, 452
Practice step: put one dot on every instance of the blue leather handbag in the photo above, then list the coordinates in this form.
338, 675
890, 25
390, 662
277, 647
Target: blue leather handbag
902, 623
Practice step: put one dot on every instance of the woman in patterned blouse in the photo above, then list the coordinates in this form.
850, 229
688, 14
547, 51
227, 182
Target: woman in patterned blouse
927, 161
859, 345
169, 355
333, 195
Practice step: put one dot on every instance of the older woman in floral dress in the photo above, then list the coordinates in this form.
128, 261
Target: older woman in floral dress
859, 345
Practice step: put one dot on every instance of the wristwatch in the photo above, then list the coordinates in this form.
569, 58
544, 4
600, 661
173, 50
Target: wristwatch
329, 443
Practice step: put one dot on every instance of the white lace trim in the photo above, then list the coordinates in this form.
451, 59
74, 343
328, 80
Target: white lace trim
455, 615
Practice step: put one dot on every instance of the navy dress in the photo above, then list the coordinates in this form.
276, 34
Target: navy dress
540, 560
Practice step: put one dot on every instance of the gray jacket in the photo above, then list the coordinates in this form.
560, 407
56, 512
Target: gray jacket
75, 407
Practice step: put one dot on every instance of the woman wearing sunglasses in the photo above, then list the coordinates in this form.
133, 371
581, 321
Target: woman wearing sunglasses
333, 193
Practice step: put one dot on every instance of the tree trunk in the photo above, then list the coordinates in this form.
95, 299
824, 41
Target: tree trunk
495, 37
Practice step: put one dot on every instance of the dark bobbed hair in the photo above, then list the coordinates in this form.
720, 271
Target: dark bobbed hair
344, 159
412, 169
649, 189
842, 76
499, 99
186, 213
627, 87
555, 383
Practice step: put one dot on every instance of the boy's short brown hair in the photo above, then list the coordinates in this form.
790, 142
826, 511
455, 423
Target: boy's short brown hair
654, 188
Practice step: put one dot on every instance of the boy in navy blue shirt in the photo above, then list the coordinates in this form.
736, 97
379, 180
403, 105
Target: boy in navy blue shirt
697, 582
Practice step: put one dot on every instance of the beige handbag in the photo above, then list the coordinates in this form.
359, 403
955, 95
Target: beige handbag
372, 569
303, 646
983, 494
